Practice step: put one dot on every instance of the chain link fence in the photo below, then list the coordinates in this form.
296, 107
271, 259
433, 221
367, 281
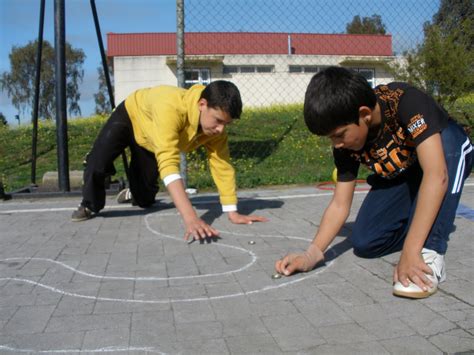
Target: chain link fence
270, 49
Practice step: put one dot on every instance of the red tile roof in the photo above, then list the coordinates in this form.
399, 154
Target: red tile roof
204, 43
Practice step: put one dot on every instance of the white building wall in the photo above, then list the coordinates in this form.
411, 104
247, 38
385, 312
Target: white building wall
257, 89
132, 73
278, 87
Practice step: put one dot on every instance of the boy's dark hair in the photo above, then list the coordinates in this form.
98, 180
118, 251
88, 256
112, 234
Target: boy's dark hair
333, 99
225, 96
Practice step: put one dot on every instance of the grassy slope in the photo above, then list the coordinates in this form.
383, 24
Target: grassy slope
268, 147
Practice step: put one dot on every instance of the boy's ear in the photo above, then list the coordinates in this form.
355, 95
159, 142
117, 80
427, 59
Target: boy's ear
365, 114
202, 103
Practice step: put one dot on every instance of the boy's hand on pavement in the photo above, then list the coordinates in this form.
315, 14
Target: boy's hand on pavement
299, 262
412, 267
237, 218
198, 229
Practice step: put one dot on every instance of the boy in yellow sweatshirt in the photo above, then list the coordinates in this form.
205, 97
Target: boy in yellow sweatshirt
157, 124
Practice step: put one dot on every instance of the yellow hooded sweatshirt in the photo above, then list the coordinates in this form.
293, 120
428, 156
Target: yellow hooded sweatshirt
165, 121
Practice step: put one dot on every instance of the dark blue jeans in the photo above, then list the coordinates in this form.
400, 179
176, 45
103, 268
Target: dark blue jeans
385, 215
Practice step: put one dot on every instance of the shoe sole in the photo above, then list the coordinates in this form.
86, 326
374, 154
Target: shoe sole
80, 219
121, 197
415, 295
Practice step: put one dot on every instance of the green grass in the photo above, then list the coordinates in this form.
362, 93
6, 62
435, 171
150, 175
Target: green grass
269, 146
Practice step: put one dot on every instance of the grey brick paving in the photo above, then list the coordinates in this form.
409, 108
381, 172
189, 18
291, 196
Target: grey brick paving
125, 282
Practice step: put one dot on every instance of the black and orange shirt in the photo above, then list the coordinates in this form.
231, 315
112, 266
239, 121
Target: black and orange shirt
409, 116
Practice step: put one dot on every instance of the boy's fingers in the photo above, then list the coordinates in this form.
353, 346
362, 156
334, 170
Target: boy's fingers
424, 279
404, 280
290, 269
282, 264
288, 266
427, 270
258, 218
417, 280
186, 236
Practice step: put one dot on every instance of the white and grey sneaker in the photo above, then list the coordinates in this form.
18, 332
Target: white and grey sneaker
436, 262
124, 196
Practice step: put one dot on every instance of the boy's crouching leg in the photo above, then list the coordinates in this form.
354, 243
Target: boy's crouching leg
381, 224
362, 247
368, 245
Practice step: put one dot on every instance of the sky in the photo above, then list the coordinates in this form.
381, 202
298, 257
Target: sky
19, 22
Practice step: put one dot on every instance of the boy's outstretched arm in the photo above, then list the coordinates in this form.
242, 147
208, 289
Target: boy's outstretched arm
237, 218
434, 183
195, 227
332, 221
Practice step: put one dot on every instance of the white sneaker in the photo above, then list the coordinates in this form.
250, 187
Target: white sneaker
124, 196
436, 262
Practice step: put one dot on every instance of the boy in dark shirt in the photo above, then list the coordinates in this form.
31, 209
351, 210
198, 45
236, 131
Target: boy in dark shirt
420, 159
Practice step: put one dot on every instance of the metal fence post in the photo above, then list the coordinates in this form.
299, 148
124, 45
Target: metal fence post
34, 119
180, 72
61, 116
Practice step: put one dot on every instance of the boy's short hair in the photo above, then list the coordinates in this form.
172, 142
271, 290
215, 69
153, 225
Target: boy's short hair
333, 99
224, 95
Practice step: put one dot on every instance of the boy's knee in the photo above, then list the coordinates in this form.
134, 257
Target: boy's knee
362, 248
143, 201
144, 204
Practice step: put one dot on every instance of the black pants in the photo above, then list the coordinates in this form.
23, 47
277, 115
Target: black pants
115, 136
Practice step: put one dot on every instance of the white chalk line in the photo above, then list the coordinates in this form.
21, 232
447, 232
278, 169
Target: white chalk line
147, 349
112, 207
160, 301
166, 300
163, 301
147, 278
107, 349
61, 209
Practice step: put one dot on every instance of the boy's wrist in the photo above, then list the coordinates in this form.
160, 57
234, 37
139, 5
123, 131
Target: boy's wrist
411, 246
189, 216
313, 255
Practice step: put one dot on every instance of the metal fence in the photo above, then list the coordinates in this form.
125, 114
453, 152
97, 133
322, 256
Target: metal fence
271, 48
274, 47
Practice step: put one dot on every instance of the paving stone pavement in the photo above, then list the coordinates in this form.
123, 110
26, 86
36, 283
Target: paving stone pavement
126, 282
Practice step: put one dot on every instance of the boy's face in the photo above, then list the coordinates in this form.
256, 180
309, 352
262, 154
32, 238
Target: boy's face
212, 120
351, 136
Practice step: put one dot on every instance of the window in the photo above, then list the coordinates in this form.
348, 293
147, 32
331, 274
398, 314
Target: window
311, 69
246, 69
265, 69
296, 69
368, 74
303, 69
196, 76
230, 69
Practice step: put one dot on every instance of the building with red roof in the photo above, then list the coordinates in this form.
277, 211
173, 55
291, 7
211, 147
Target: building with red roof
268, 68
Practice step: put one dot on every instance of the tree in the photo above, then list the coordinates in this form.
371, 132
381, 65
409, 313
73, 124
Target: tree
455, 14
366, 25
102, 100
19, 83
442, 64
3, 120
